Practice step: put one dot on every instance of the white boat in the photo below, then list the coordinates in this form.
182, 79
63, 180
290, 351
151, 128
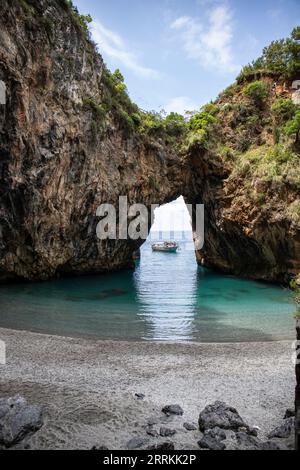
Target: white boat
166, 247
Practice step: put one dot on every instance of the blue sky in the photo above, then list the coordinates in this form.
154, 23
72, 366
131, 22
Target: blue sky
179, 54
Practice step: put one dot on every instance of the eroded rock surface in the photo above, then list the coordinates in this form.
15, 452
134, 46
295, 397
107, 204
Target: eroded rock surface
18, 420
220, 415
57, 165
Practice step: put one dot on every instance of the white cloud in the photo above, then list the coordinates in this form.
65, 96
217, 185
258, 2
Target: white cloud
112, 44
180, 22
210, 44
180, 105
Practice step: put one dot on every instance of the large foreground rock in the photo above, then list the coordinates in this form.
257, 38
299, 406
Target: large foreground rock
18, 420
247, 442
285, 430
220, 415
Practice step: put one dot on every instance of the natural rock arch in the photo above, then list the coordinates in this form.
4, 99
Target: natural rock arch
55, 172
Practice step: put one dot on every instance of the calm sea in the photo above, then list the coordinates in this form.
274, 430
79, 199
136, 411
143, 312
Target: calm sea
167, 298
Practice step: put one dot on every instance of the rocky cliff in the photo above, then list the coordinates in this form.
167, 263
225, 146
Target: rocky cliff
70, 140
56, 166
249, 181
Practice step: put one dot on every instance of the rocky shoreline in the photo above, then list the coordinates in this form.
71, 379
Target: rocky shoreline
220, 425
87, 394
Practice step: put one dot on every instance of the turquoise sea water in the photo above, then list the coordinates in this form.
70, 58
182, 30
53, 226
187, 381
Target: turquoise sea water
167, 298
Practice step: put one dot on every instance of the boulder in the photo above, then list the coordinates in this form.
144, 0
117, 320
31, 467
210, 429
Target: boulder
190, 426
284, 430
166, 432
162, 446
209, 442
136, 443
215, 433
222, 416
290, 413
151, 432
173, 410
18, 420
152, 421
247, 442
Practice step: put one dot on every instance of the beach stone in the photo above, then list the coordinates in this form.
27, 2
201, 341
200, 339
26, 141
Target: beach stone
173, 410
209, 442
18, 420
215, 433
253, 432
166, 432
247, 442
100, 448
222, 416
136, 443
162, 446
152, 421
190, 426
272, 445
290, 413
152, 432
140, 396
284, 430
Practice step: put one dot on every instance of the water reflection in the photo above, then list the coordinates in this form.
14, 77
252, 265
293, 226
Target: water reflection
167, 292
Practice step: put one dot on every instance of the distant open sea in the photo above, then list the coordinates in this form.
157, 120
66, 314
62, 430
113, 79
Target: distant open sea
167, 298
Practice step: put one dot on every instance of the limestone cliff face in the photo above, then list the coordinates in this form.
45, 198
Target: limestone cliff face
251, 190
242, 236
57, 166
54, 171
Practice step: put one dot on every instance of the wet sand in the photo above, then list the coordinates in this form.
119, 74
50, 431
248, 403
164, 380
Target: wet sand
87, 388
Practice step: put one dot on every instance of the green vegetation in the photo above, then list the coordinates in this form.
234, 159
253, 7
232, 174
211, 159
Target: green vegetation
283, 109
293, 211
200, 127
257, 92
268, 164
175, 124
281, 58
116, 99
97, 109
153, 183
292, 127
99, 116
287, 119
26, 7
80, 21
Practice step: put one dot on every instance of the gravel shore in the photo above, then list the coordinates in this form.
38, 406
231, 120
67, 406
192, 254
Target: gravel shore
87, 388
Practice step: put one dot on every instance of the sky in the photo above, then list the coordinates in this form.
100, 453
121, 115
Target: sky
178, 55
172, 217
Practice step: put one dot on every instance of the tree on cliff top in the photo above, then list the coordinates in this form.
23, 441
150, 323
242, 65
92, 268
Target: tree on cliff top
282, 57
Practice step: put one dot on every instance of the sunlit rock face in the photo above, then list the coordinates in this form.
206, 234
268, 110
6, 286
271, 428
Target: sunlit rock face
55, 170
